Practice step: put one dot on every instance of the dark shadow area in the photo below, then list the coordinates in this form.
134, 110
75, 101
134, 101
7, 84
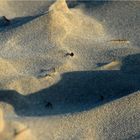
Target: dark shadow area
101, 64
79, 91
87, 3
134, 137
18, 21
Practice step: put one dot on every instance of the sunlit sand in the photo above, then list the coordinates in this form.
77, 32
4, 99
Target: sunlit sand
69, 70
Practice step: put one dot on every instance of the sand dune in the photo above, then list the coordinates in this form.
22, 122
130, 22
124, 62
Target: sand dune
72, 21
59, 26
69, 73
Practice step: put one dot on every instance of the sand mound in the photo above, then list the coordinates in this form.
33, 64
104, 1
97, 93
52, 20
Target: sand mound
60, 26
59, 5
64, 62
64, 22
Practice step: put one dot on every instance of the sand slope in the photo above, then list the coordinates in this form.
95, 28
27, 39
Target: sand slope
69, 73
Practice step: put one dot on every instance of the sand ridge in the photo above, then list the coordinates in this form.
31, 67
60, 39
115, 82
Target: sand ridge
65, 75
59, 25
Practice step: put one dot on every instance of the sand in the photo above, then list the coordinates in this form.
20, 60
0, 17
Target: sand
69, 71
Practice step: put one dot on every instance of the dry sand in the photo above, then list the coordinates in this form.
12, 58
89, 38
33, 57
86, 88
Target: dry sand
69, 71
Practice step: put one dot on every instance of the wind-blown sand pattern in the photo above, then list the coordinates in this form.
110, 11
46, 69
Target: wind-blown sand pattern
69, 70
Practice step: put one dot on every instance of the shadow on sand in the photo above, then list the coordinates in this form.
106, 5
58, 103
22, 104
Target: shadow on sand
79, 91
19, 21
87, 3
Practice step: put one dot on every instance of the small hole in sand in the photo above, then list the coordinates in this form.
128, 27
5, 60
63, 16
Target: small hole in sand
49, 105
70, 54
101, 97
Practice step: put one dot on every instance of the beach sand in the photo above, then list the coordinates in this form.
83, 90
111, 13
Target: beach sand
69, 70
